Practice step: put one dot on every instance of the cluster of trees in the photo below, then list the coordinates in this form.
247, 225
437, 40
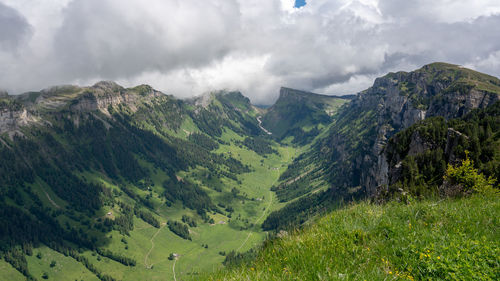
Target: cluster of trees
302, 137
299, 211
190, 194
179, 228
189, 220
147, 217
260, 145
70, 252
235, 259
423, 173
116, 257
10, 104
16, 257
203, 141
124, 222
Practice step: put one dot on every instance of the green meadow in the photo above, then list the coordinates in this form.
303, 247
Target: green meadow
238, 230
452, 239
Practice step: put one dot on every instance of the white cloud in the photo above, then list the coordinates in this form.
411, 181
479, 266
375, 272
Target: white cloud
189, 47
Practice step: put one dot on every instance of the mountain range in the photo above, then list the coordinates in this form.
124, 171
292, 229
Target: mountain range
113, 183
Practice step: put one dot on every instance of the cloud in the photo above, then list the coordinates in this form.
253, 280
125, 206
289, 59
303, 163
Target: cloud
14, 29
188, 47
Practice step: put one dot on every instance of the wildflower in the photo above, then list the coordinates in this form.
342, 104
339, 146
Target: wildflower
439, 257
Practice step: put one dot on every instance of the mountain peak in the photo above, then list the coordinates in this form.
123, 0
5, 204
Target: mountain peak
296, 111
286, 92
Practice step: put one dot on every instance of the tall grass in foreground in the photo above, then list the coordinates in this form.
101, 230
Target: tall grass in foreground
454, 239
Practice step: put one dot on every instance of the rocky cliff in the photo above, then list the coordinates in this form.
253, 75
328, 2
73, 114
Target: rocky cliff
13, 115
416, 158
35, 107
353, 150
105, 93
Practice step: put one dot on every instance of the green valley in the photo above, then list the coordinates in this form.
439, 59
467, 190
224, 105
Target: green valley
131, 184
112, 183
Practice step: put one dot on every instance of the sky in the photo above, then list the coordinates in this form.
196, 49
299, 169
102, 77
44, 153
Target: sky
190, 47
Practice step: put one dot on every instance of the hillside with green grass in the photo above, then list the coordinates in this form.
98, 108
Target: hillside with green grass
451, 239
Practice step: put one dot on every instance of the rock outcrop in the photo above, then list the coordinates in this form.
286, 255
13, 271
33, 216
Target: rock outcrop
13, 117
353, 152
36, 107
106, 93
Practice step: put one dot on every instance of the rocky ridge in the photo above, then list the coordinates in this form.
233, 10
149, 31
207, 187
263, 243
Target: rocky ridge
393, 103
31, 108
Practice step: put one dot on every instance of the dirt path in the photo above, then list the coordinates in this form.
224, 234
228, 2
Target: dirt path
173, 269
152, 247
270, 200
258, 219
50, 199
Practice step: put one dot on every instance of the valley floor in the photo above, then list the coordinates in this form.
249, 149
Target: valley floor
150, 247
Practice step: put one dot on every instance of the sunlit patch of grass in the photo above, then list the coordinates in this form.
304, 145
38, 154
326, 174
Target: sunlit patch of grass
448, 240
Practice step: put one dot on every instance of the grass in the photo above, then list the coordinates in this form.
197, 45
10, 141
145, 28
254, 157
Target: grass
447, 240
7, 272
65, 268
150, 246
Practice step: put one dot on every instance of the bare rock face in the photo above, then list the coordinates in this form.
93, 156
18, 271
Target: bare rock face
35, 107
106, 93
393, 103
12, 120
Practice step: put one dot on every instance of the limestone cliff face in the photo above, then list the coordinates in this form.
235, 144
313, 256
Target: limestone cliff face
11, 120
37, 107
354, 149
106, 93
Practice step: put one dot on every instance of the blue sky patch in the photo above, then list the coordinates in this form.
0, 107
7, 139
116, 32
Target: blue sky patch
299, 3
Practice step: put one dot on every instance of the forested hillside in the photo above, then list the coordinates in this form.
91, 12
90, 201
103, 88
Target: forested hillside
90, 172
349, 158
113, 183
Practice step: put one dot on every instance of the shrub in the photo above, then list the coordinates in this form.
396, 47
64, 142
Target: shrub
469, 178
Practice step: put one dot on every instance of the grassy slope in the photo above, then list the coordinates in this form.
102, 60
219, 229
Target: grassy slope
7, 272
194, 257
65, 268
150, 246
451, 239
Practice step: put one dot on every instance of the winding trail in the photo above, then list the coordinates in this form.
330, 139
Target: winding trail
50, 199
152, 247
258, 219
173, 269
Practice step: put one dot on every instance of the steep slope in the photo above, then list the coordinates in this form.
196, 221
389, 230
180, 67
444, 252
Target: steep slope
349, 157
417, 157
428, 240
129, 176
300, 114
395, 102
